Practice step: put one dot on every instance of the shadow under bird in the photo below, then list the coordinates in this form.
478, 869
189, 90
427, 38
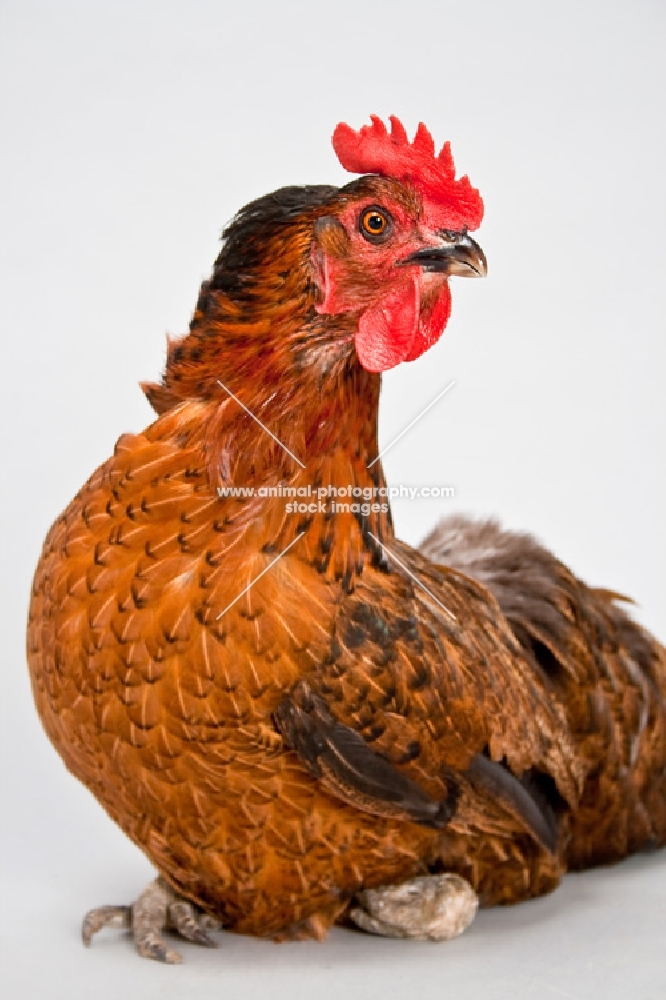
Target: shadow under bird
297, 717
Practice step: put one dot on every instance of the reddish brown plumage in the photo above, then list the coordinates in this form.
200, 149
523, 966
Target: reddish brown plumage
335, 728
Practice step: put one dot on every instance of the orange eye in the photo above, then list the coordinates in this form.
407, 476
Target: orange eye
375, 223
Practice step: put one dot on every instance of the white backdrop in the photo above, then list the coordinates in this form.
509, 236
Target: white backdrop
132, 131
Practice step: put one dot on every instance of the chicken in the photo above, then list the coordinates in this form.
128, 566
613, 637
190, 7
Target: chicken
298, 718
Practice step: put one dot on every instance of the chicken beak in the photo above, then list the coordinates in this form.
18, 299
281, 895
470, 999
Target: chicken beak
462, 257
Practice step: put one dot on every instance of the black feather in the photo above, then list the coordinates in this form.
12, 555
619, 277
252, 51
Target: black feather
356, 773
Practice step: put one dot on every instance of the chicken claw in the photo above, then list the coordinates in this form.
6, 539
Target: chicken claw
158, 908
426, 908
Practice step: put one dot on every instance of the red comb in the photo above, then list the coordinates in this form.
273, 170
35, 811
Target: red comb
449, 203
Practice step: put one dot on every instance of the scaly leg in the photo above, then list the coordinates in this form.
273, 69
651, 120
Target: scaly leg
158, 908
426, 908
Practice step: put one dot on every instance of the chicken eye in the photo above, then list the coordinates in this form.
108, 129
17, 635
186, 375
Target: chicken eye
375, 224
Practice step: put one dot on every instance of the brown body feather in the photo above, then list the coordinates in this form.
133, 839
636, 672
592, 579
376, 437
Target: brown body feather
335, 728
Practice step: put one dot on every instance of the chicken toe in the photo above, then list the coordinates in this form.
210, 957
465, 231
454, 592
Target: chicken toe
191, 923
104, 916
426, 908
158, 908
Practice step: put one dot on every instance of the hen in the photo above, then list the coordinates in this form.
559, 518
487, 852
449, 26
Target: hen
298, 718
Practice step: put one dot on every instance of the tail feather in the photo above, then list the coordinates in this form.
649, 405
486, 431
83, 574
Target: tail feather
608, 672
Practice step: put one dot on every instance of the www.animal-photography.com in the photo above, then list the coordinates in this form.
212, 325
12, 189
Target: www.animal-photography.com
333, 448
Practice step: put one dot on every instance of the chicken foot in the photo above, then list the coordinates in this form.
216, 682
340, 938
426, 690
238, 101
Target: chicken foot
158, 908
425, 908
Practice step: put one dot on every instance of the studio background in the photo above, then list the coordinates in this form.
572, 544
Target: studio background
131, 132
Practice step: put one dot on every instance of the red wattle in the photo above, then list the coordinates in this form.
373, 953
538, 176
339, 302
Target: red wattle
434, 317
386, 331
